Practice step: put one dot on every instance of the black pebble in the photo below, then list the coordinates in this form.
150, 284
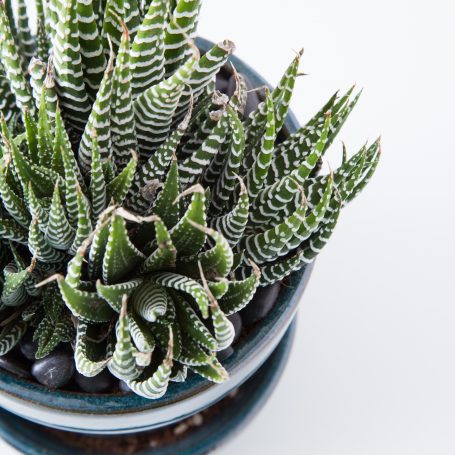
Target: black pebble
237, 323
252, 100
261, 304
97, 384
225, 353
28, 347
221, 83
14, 365
123, 387
55, 370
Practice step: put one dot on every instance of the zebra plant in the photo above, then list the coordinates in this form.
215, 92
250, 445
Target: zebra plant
139, 208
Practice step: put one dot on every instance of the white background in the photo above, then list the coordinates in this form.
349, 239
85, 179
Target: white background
373, 367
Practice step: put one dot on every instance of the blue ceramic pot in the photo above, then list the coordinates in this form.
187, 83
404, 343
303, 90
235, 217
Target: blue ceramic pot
233, 415
128, 413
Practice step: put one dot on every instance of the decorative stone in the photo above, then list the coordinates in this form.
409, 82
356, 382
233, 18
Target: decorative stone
225, 353
123, 387
261, 304
236, 321
16, 366
55, 370
97, 384
252, 100
28, 347
221, 83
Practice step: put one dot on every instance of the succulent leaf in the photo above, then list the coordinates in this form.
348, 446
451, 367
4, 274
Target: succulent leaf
136, 199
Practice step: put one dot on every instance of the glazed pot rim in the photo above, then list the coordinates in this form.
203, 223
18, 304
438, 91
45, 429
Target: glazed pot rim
22, 396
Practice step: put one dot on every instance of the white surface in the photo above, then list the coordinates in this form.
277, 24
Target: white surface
373, 370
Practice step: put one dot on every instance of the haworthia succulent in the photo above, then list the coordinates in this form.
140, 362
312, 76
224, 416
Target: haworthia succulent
92, 52
90, 357
123, 365
11, 63
228, 179
187, 238
136, 199
99, 121
11, 334
59, 232
181, 28
150, 301
149, 175
232, 225
67, 61
123, 129
121, 255
147, 51
184, 284
156, 106
87, 306
155, 386
113, 294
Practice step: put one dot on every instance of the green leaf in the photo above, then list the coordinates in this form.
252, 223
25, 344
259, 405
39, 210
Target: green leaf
156, 106
113, 294
11, 63
225, 185
31, 130
97, 183
154, 386
153, 171
187, 239
191, 168
212, 371
191, 324
222, 326
84, 224
147, 51
204, 72
14, 292
59, 233
121, 256
215, 262
123, 128
164, 255
118, 188
91, 358
165, 205
40, 248
87, 306
67, 62
13, 204
42, 179
240, 292
266, 246
149, 301
181, 29
258, 172
141, 334
98, 246
232, 225
10, 230
99, 122
11, 335
92, 51
184, 284
123, 364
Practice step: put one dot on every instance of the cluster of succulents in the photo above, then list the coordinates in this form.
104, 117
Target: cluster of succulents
139, 208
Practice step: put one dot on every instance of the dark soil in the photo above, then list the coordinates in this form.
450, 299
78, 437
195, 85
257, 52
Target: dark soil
136, 443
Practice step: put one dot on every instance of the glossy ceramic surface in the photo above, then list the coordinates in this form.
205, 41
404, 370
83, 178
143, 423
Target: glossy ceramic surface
114, 414
30, 438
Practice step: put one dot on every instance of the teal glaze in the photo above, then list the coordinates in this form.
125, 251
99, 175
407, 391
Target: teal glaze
29, 438
271, 328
